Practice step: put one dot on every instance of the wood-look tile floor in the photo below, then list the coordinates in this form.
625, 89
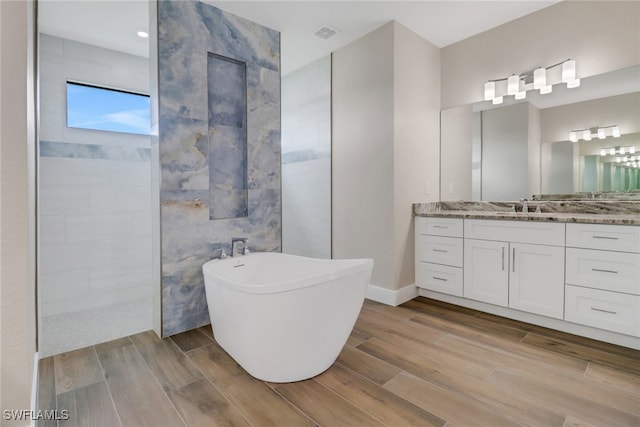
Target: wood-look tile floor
425, 363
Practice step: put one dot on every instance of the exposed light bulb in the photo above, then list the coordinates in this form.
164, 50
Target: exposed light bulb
489, 91
539, 78
601, 133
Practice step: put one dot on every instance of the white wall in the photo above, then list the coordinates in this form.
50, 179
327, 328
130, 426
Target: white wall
17, 208
385, 147
306, 160
363, 150
455, 156
416, 140
600, 35
94, 206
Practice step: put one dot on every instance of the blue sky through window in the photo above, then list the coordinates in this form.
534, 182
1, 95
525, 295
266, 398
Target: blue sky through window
90, 107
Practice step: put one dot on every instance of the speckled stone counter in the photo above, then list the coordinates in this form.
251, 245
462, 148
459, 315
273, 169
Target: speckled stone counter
569, 211
597, 196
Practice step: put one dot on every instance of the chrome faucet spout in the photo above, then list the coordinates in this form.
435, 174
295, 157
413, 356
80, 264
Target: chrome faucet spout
234, 246
525, 205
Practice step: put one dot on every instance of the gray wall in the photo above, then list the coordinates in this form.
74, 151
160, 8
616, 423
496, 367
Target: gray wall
187, 31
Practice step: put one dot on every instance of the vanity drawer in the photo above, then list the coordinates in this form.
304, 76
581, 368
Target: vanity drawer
624, 238
537, 233
439, 278
450, 227
612, 271
439, 250
603, 309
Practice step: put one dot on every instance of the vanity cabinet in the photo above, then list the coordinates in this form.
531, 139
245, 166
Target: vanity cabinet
515, 264
603, 271
439, 254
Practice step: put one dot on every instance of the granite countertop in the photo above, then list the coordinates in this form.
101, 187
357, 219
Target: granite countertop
590, 212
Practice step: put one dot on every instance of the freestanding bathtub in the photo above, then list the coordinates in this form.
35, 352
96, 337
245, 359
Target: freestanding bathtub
283, 317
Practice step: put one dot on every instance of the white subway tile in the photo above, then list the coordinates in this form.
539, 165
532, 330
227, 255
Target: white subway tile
50, 44
89, 53
120, 199
123, 78
139, 64
142, 224
62, 200
56, 257
61, 285
127, 173
52, 308
98, 226
52, 228
113, 277
61, 172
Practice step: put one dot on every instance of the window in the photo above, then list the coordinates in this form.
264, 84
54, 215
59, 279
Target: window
91, 107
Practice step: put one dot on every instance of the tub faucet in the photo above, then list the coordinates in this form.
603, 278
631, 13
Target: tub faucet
525, 205
234, 246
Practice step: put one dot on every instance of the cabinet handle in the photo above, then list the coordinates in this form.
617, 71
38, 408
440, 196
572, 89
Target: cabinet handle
444, 227
604, 311
439, 278
513, 266
440, 250
605, 237
503, 258
604, 271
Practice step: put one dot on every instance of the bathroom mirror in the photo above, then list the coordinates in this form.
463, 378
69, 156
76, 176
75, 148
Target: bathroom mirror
533, 135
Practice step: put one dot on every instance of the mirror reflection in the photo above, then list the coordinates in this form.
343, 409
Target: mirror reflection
538, 146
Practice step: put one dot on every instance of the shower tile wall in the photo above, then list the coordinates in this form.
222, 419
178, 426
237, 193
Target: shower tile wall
94, 207
187, 32
306, 160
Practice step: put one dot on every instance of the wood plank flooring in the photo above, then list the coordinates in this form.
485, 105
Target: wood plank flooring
425, 363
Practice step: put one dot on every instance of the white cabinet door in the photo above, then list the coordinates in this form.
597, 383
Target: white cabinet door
486, 271
536, 282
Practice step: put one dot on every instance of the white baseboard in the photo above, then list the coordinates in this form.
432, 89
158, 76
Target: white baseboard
391, 297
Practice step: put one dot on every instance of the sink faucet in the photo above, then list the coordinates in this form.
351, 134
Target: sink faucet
525, 205
234, 246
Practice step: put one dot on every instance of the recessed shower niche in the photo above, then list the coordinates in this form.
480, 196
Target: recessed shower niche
227, 109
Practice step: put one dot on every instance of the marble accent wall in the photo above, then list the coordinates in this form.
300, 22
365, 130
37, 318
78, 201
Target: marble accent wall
188, 31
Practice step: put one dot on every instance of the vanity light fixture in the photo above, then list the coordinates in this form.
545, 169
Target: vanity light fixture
518, 84
601, 132
612, 151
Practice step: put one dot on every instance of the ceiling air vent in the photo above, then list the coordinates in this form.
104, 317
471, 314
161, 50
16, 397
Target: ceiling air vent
326, 32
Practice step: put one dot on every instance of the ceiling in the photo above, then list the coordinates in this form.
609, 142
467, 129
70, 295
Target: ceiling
113, 24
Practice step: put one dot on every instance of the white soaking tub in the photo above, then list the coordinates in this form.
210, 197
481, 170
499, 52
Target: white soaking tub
284, 317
